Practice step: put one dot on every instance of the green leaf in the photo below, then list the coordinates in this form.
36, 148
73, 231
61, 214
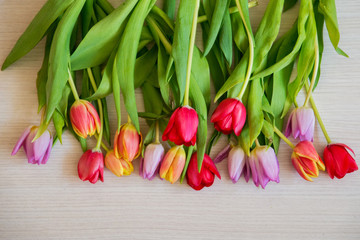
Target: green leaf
244, 139
328, 9
127, 50
163, 83
255, 115
218, 13
268, 131
107, 134
36, 30
170, 7
42, 75
225, 38
106, 6
199, 103
213, 140
200, 71
288, 4
59, 124
86, 14
144, 66
239, 33
285, 61
59, 58
99, 12
165, 23
265, 36
181, 44
152, 99
102, 38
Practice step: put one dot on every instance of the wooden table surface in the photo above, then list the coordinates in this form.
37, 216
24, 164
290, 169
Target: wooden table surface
50, 202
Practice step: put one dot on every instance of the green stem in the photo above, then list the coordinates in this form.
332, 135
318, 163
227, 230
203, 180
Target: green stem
315, 71
317, 115
103, 145
92, 81
282, 136
251, 52
72, 86
232, 10
190, 54
161, 35
157, 134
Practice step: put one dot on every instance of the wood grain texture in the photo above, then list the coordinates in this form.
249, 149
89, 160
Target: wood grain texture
50, 202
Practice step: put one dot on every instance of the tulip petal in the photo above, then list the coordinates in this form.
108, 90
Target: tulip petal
167, 161
225, 108
170, 125
21, 140
141, 168
236, 163
47, 153
239, 118
269, 163
187, 123
209, 164
299, 168
288, 129
94, 115
154, 153
222, 154
41, 145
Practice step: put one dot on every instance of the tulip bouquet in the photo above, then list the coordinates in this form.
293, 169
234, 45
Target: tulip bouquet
97, 50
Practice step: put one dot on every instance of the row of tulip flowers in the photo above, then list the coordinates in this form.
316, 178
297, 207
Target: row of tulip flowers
230, 115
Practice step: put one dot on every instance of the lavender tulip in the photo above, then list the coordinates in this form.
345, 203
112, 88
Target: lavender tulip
264, 166
236, 163
37, 152
149, 165
301, 124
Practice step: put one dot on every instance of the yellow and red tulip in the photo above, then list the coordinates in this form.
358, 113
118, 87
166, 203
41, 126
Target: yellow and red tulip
127, 142
118, 166
306, 160
84, 118
173, 164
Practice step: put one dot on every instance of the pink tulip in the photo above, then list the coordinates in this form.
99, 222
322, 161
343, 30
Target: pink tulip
301, 124
264, 166
37, 152
154, 154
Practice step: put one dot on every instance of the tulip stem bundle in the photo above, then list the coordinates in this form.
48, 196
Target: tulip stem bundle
317, 115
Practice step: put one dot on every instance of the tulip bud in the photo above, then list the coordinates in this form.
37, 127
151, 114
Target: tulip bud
338, 160
264, 166
37, 152
173, 164
306, 160
128, 142
236, 163
301, 124
118, 166
207, 173
154, 153
182, 127
230, 115
91, 166
84, 118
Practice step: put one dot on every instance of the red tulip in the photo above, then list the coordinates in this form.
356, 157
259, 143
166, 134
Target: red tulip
91, 166
182, 127
206, 176
338, 160
229, 116
306, 160
84, 118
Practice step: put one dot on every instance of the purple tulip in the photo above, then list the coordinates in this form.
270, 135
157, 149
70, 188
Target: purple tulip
301, 123
37, 152
150, 164
236, 163
264, 166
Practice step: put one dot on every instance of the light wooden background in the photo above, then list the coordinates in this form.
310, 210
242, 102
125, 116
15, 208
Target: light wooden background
50, 202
